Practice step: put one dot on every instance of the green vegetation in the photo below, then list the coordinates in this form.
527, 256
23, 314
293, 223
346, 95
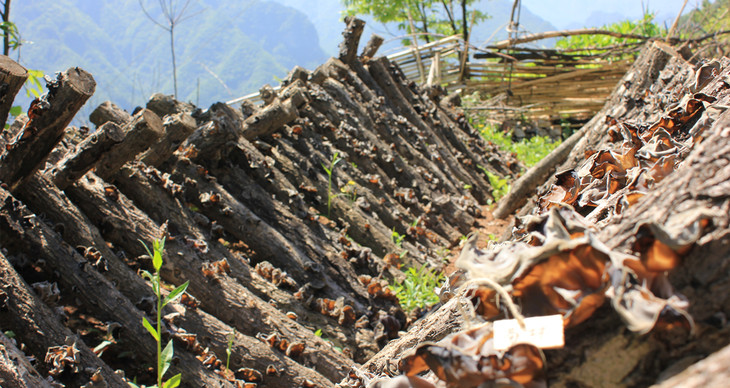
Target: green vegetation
231, 337
709, 17
349, 191
528, 151
164, 356
113, 41
329, 170
500, 186
397, 238
644, 26
417, 290
428, 16
12, 42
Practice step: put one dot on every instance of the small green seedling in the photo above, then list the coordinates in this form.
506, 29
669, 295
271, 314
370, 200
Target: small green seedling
164, 356
500, 186
397, 238
231, 337
329, 170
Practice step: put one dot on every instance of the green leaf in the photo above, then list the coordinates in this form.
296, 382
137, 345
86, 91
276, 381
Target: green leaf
157, 258
166, 358
16, 110
176, 293
145, 247
318, 333
173, 382
147, 325
147, 275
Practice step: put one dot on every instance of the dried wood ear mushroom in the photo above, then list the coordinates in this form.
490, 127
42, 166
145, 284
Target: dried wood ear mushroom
468, 359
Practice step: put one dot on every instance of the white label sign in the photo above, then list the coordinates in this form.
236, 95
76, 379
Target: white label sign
544, 332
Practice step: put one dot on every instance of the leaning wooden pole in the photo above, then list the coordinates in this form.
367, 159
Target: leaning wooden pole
49, 116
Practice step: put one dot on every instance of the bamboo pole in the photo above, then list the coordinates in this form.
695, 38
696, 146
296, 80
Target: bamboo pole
415, 48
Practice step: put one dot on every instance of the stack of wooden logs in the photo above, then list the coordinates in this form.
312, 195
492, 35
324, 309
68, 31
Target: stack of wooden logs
275, 248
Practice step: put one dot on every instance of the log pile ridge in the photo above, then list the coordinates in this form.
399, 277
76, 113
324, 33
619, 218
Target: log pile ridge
289, 220
281, 217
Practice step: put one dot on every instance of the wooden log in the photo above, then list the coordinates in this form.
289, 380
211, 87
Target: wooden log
49, 116
40, 328
434, 327
713, 371
43, 197
108, 111
12, 78
246, 351
123, 224
95, 293
15, 369
351, 34
144, 129
144, 186
178, 126
209, 141
371, 48
164, 105
86, 155
273, 116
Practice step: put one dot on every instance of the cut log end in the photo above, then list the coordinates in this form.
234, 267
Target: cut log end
81, 81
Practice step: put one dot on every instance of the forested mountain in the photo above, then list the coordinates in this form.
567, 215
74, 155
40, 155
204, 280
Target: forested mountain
223, 50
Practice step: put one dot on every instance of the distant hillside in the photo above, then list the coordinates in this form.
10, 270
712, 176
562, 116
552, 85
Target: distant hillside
243, 45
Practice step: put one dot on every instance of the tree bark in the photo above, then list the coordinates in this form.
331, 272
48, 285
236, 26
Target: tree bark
348, 47
144, 129
76, 274
178, 126
273, 116
124, 224
40, 327
165, 105
108, 111
371, 48
12, 78
15, 369
49, 116
87, 154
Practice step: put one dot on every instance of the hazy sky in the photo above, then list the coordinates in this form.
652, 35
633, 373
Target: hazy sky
563, 13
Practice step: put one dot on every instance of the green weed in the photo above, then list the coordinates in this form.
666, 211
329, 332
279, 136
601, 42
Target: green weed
329, 170
500, 186
164, 356
397, 238
231, 337
349, 191
417, 290
528, 151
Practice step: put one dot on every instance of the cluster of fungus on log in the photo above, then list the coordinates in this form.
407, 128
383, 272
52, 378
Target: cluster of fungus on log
611, 180
210, 360
216, 268
292, 349
62, 357
274, 275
